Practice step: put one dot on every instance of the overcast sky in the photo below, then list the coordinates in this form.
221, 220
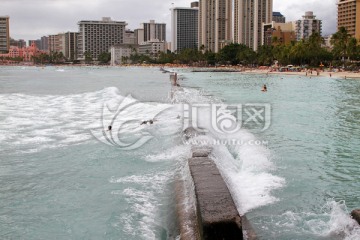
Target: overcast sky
31, 19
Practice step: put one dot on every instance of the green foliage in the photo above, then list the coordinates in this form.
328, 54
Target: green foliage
104, 57
88, 57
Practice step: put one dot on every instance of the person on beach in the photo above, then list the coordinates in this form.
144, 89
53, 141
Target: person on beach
264, 88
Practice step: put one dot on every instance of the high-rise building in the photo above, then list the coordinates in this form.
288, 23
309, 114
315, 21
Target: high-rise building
57, 43
44, 43
17, 43
215, 24
154, 31
71, 45
139, 35
66, 43
184, 27
349, 16
278, 17
4, 34
307, 26
249, 15
96, 37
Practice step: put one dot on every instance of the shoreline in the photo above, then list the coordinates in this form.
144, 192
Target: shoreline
219, 69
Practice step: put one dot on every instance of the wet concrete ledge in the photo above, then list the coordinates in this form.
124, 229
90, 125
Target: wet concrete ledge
214, 214
217, 215
356, 215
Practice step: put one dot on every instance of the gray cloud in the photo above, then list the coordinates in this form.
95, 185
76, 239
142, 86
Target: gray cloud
36, 18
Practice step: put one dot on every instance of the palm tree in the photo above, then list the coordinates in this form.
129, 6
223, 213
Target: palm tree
340, 41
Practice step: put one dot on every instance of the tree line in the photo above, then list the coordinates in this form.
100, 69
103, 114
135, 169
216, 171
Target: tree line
310, 52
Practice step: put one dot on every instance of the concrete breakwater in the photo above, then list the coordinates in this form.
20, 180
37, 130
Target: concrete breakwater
215, 215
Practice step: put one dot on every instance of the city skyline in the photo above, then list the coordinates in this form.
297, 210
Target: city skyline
27, 18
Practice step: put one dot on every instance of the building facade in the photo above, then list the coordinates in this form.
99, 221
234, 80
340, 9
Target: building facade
129, 37
4, 34
307, 26
249, 15
56, 43
151, 48
121, 52
184, 26
278, 33
154, 31
96, 37
349, 16
278, 17
17, 43
215, 24
24, 53
139, 35
44, 43
71, 45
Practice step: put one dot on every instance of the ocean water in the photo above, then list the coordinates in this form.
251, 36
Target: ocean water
65, 177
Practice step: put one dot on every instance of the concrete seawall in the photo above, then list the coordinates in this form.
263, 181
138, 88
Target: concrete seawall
213, 214
205, 207
216, 212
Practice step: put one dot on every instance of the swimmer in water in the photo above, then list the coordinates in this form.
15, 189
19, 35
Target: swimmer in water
148, 121
264, 89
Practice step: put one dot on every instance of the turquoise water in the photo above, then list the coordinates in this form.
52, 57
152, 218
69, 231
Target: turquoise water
60, 182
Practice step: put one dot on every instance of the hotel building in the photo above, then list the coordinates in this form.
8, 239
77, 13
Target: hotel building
307, 26
97, 37
152, 31
4, 34
184, 26
57, 43
249, 16
278, 17
215, 24
349, 16
65, 43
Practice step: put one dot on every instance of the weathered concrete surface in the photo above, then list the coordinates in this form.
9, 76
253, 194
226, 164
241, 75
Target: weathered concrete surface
188, 224
217, 215
247, 229
201, 151
356, 215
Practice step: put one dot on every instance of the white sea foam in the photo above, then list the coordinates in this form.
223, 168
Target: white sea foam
144, 199
330, 222
175, 153
36, 122
247, 168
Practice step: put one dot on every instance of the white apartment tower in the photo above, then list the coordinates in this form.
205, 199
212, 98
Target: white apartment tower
184, 27
307, 26
96, 37
215, 24
249, 15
